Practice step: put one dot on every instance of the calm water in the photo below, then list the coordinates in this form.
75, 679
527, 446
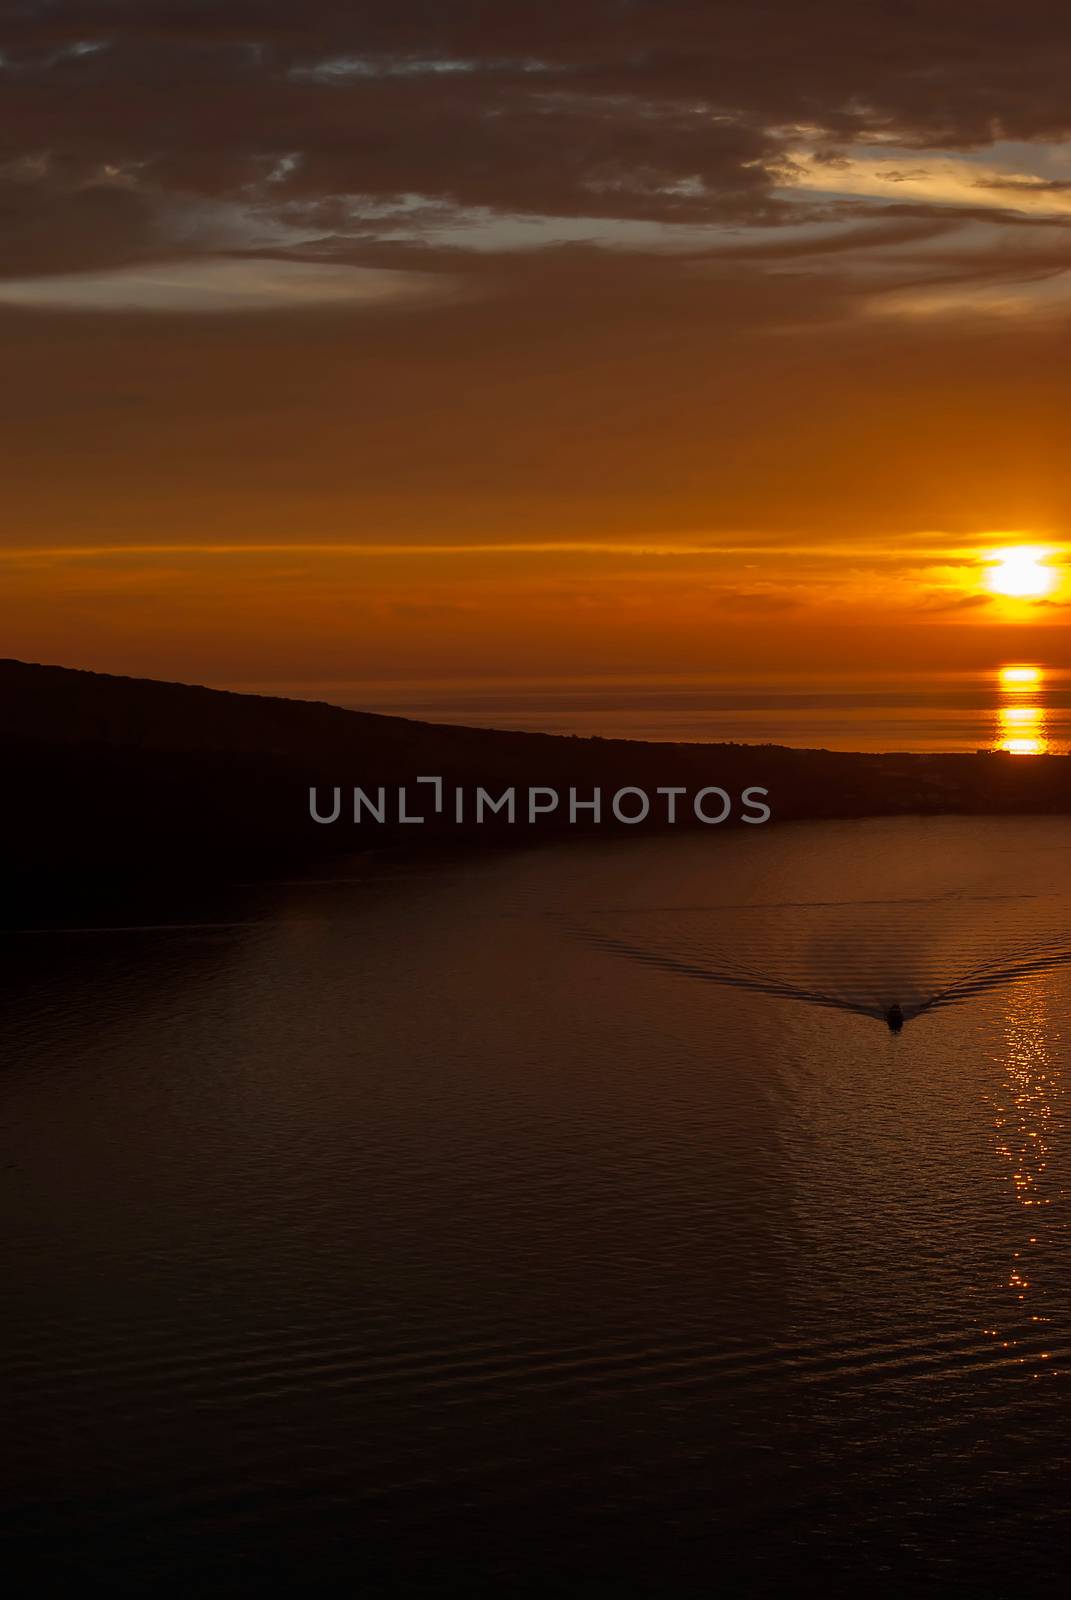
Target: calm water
552, 1222
1020, 707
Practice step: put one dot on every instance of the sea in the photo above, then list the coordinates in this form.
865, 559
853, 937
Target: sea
550, 1221
1021, 707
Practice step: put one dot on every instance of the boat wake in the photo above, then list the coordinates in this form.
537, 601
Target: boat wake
894, 961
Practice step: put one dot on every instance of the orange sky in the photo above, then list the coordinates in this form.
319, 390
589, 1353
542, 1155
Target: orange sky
386, 349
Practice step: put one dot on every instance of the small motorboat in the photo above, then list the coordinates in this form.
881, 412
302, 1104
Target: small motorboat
895, 1018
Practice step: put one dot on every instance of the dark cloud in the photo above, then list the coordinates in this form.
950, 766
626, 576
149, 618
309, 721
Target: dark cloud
635, 109
50, 225
943, 602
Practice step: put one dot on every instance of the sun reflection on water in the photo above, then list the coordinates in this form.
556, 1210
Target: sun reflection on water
1020, 678
1024, 1111
1021, 724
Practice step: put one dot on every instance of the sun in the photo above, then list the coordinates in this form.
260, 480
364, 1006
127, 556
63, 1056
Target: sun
1020, 573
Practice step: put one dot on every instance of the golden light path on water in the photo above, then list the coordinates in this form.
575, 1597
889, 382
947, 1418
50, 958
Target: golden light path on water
1025, 1112
1021, 728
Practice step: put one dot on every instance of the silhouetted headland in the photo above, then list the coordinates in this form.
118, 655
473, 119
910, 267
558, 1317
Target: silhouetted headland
136, 775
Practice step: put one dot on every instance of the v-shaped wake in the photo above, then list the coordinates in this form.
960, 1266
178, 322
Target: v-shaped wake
893, 962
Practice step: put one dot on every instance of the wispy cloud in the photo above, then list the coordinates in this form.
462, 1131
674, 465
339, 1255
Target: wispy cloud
225, 285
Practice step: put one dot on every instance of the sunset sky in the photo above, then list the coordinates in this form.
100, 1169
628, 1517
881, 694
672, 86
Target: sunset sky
401, 341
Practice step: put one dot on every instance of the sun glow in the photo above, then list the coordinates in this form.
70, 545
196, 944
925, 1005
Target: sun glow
1020, 573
